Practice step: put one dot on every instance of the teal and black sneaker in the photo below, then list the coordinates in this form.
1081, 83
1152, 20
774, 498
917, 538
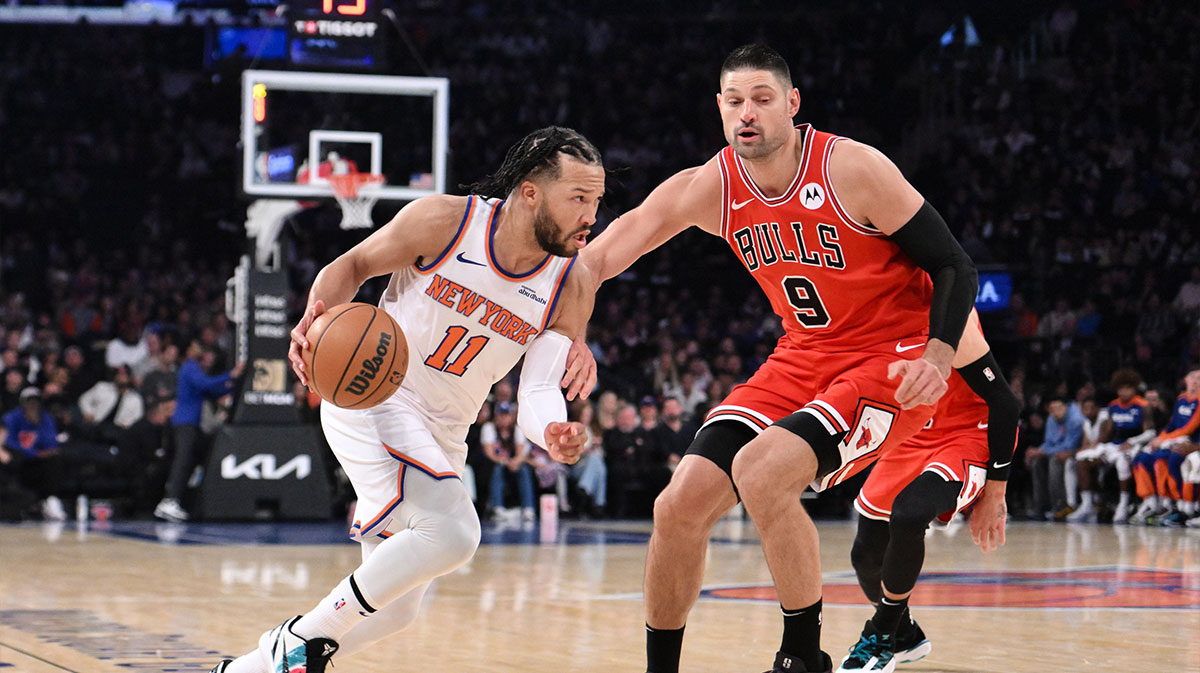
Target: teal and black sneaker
872, 653
911, 643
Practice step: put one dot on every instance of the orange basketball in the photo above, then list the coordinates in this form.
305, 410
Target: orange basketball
357, 355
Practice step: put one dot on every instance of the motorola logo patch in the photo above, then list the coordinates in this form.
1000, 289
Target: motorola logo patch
812, 196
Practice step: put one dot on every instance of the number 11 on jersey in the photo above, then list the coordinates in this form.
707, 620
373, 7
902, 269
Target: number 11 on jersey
454, 334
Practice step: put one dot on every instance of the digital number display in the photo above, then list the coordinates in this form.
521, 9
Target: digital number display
335, 33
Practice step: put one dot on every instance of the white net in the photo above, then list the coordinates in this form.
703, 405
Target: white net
356, 194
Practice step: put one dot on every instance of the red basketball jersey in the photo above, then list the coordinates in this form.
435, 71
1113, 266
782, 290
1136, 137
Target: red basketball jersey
839, 285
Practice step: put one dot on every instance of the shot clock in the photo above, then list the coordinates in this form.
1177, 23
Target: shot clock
335, 34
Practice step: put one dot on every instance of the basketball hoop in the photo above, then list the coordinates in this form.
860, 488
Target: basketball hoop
356, 195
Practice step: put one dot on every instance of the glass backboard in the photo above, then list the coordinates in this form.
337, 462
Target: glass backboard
299, 127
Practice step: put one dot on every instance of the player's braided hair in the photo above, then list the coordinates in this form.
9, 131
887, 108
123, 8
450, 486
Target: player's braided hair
534, 157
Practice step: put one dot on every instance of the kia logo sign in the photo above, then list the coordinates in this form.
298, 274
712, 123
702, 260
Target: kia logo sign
262, 466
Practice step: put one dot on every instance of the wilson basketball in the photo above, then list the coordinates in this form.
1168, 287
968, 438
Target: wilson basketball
357, 355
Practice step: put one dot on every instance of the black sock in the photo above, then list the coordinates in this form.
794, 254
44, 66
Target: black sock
888, 614
662, 649
802, 635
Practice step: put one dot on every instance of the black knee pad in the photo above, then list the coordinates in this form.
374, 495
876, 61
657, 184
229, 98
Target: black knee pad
720, 442
869, 543
919, 503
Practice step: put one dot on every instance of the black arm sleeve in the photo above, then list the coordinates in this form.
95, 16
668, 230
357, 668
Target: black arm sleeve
928, 241
1004, 412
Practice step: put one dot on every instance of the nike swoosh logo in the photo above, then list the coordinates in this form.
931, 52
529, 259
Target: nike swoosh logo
738, 206
982, 426
901, 348
464, 260
1000, 466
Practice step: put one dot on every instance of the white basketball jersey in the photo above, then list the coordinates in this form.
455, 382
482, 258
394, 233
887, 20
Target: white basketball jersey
467, 320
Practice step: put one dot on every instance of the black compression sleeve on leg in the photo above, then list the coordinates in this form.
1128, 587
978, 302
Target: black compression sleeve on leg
913, 509
1004, 412
928, 241
866, 555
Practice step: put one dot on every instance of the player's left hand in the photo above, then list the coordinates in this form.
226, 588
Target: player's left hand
580, 378
921, 382
989, 517
565, 441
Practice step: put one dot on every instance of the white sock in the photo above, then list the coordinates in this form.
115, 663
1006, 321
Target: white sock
1124, 501
1085, 500
251, 662
1150, 502
336, 614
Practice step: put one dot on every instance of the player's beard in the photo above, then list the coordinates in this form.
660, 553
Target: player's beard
548, 236
764, 147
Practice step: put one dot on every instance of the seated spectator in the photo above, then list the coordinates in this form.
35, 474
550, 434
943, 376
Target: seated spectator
14, 383
1048, 462
673, 434
80, 375
636, 467
1187, 302
508, 449
129, 348
162, 375
689, 393
591, 472
31, 452
1058, 323
111, 406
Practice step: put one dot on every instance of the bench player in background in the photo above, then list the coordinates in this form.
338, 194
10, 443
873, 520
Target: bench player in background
1170, 462
845, 250
961, 460
477, 282
1123, 435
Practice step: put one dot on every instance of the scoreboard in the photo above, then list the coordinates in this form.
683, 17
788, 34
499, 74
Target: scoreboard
335, 33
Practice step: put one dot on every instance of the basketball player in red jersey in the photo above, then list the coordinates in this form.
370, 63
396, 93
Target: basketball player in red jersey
844, 248
960, 460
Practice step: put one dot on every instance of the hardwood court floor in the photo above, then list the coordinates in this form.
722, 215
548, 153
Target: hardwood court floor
147, 597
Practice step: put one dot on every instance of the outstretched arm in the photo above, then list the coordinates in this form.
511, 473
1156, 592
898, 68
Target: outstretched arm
689, 198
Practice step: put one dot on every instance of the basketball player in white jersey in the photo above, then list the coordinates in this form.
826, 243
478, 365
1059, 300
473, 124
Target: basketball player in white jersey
477, 282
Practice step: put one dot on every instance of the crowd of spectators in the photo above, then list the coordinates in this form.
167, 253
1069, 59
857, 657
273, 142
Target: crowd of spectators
1061, 150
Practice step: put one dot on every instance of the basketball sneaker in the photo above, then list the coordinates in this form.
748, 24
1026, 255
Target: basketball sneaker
220, 668
1193, 522
911, 643
1122, 513
786, 663
1085, 514
286, 652
169, 509
873, 652
1173, 520
1148, 510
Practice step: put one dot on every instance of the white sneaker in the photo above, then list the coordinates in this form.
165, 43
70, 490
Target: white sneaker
527, 514
1122, 514
1193, 522
170, 510
283, 651
1085, 514
52, 509
1145, 512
